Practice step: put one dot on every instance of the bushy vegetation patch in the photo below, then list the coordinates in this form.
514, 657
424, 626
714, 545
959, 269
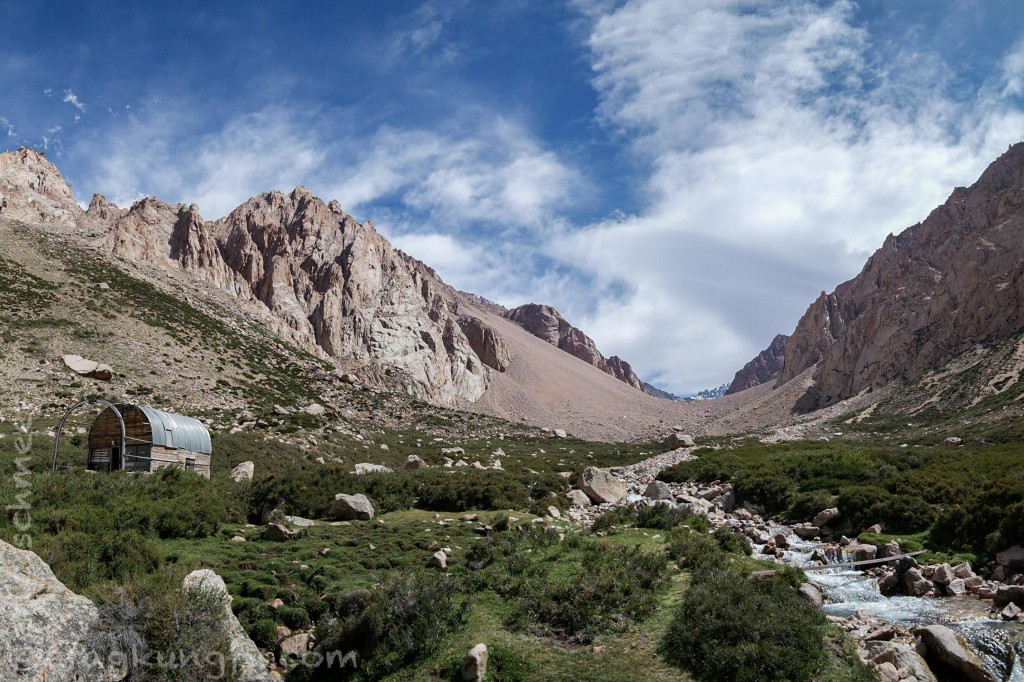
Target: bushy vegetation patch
660, 517
730, 627
572, 589
968, 497
390, 626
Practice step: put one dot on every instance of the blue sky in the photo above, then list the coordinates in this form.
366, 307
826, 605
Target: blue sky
680, 179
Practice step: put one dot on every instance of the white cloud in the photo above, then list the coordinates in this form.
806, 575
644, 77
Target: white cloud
72, 99
1013, 72
780, 156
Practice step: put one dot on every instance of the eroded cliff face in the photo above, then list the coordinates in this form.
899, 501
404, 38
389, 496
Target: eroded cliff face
546, 323
927, 295
763, 369
33, 190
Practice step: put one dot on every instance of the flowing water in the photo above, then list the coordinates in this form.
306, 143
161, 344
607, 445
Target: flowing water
999, 644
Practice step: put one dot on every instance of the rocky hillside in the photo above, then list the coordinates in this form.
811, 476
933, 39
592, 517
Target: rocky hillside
546, 323
935, 291
763, 369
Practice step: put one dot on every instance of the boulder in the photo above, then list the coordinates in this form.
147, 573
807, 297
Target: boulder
243, 472
367, 468
943, 651
299, 521
825, 517
88, 368
45, 625
246, 658
889, 549
875, 529
413, 462
554, 512
351, 507
679, 440
1011, 558
316, 410
811, 593
601, 487
438, 560
806, 531
943, 574
861, 552
658, 490
559, 433
963, 570
578, 498
956, 587
916, 584
292, 649
781, 540
278, 533
902, 657
1006, 594
1011, 612
474, 665
726, 502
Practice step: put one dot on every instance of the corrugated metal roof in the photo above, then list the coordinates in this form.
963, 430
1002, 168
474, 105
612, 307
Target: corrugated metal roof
175, 431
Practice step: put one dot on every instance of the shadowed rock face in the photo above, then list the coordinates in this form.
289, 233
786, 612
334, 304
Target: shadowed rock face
546, 323
486, 343
762, 369
929, 294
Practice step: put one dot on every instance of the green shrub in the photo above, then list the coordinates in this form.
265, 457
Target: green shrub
733, 628
804, 506
263, 633
660, 517
293, 617
402, 621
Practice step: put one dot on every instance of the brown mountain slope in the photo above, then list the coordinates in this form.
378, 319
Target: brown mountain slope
929, 294
546, 323
763, 369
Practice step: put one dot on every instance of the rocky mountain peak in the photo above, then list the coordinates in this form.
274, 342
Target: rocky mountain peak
762, 369
32, 189
928, 294
546, 323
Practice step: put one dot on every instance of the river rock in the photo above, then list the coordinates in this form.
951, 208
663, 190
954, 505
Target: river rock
943, 574
781, 540
941, 648
1011, 558
350, 507
902, 657
601, 487
243, 472
811, 593
825, 517
956, 587
1011, 612
806, 531
474, 665
916, 584
861, 552
963, 570
246, 658
889, 549
658, 490
1005, 594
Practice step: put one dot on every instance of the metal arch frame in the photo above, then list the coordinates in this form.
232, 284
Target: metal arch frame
60, 428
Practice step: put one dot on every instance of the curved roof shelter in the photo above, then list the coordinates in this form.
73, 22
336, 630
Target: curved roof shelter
153, 439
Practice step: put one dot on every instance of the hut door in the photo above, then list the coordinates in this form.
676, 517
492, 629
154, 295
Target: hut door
115, 458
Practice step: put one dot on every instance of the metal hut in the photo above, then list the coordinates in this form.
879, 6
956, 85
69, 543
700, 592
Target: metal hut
153, 439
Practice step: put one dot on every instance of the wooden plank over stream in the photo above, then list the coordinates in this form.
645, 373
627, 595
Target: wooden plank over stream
849, 564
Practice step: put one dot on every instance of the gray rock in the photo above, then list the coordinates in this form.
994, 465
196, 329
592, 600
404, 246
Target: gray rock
1006, 594
299, 522
825, 517
889, 549
367, 468
88, 368
859, 552
811, 593
44, 624
601, 487
806, 531
901, 656
559, 433
293, 648
943, 574
658, 490
578, 498
351, 507
1011, 612
940, 647
413, 462
245, 656
278, 533
679, 440
1011, 558
554, 512
963, 570
956, 587
316, 409
438, 560
915, 583
474, 665
243, 472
